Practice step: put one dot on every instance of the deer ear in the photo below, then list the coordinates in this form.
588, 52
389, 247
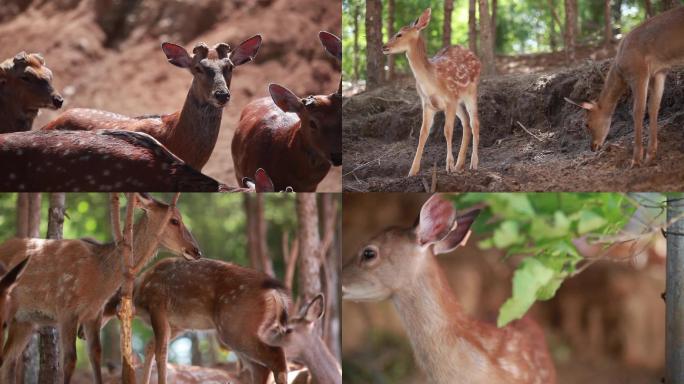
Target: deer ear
285, 99
459, 235
586, 105
423, 20
263, 183
315, 309
246, 51
177, 55
332, 44
436, 220
146, 201
9, 280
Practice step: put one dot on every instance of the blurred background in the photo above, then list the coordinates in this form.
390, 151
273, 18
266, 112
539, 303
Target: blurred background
106, 54
260, 231
604, 325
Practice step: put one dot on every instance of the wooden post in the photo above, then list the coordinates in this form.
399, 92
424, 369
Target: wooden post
674, 321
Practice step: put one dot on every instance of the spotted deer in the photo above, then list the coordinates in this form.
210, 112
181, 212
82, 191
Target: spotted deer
192, 132
67, 282
295, 140
25, 87
399, 264
446, 82
643, 59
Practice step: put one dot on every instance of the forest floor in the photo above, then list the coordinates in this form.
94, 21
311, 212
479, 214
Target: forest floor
132, 77
381, 127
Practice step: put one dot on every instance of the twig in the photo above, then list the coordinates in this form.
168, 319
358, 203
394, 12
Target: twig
115, 217
369, 162
530, 133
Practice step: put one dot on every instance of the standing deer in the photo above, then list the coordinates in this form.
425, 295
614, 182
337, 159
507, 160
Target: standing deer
191, 133
400, 264
295, 140
643, 59
68, 282
447, 82
25, 87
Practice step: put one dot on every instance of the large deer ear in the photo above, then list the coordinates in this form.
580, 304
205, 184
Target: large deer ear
285, 99
436, 220
459, 235
331, 43
146, 201
423, 20
246, 51
586, 105
9, 280
177, 55
314, 309
262, 182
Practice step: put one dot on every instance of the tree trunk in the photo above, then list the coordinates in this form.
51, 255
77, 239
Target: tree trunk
391, 65
666, 5
356, 44
49, 352
309, 246
195, 353
256, 234
486, 42
332, 264
22, 215
649, 8
374, 55
495, 6
553, 43
570, 29
472, 26
608, 26
617, 14
29, 371
674, 300
125, 310
446, 34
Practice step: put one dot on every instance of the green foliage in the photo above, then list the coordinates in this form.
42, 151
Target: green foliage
542, 226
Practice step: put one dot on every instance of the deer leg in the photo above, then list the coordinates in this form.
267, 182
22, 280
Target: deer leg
657, 87
470, 102
92, 331
19, 334
639, 92
149, 355
274, 359
67, 334
449, 118
428, 117
465, 139
160, 326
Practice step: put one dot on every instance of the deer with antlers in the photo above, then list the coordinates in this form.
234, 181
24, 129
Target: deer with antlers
68, 282
192, 132
643, 59
25, 87
399, 264
447, 82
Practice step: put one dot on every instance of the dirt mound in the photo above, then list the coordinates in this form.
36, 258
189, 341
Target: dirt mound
106, 54
380, 131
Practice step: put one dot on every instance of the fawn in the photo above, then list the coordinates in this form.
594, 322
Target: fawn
447, 82
67, 282
191, 133
400, 264
643, 59
25, 87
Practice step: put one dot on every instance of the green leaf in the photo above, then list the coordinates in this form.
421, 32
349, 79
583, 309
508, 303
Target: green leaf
531, 280
507, 234
589, 221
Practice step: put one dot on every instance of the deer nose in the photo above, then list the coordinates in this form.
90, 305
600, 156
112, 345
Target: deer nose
222, 96
336, 159
57, 101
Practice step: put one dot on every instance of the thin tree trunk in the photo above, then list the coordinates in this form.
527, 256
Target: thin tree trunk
125, 311
332, 266
472, 26
22, 215
261, 231
49, 352
195, 353
666, 5
309, 246
374, 55
446, 33
608, 27
356, 54
570, 29
30, 356
495, 6
674, 323
649, 8
552, 27
486, 42
390, 32
256, 234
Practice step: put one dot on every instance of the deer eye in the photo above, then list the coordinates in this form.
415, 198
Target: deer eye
368, 254
175, 222
399, 34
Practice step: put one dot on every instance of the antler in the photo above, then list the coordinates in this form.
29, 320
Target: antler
222, 49
201, 51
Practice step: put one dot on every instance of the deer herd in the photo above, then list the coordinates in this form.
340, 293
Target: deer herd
293, 142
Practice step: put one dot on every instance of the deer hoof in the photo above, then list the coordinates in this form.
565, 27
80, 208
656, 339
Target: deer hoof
413, 172
650, 158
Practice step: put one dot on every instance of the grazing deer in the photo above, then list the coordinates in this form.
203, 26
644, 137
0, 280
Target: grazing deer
68, 282
295, 140
400, 264
101, 161
191, 133
25, 87
447, 82
643, 59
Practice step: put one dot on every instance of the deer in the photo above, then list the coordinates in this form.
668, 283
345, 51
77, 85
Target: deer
7, 284
295, 140
68, 282
190, 133
25, 88
641, 64
107, 160
399, 264
446, 82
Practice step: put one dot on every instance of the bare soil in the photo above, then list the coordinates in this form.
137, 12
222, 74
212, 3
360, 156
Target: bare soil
380, 136
107, 55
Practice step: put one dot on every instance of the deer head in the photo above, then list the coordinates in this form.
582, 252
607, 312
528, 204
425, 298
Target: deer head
294, 334
321, 120
407, 35
7, 283
29, 81
176, 238
395, 257
598, 122
212, 68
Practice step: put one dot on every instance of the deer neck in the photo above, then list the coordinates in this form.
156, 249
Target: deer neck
321, 363
15, 118
418, 61
613, 88
144, 247
194, 136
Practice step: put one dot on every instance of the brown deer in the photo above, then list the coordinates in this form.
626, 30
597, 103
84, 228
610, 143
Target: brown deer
643, 59
400, 264
68, 282
447, 82
295, 140
191, 133
25, 87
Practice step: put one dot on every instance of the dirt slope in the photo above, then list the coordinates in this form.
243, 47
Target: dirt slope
554, 156
105, 54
